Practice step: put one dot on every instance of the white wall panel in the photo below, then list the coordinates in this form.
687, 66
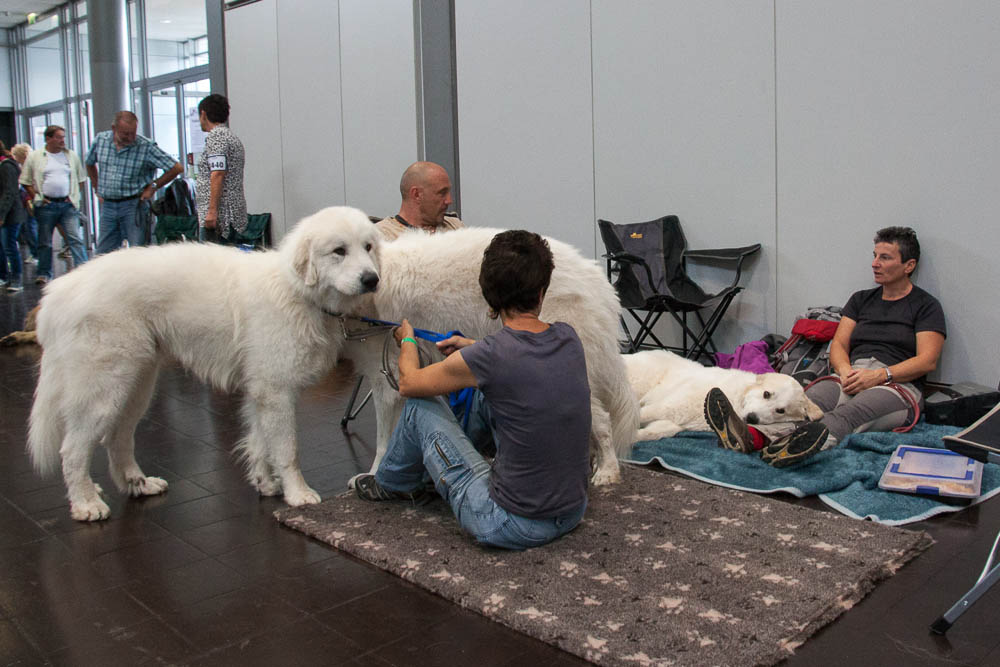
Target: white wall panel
684, 124
888, 114
312, 146
252, 82
379, 101
525, 117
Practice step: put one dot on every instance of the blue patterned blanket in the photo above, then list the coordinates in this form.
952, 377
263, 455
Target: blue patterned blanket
845, 478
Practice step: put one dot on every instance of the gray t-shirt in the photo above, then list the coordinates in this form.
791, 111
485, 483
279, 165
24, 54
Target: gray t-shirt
537, 389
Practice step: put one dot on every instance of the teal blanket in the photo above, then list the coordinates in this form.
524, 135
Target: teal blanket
845, 477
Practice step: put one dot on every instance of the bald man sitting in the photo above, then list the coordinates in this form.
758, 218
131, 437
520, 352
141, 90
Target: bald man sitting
426, 191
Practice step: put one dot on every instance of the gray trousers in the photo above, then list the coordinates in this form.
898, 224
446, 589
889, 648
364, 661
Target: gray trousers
880, 408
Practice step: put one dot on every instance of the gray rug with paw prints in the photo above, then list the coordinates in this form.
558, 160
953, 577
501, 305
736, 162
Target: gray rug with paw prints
662, 570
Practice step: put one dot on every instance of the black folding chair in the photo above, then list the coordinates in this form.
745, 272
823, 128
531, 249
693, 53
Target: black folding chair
980, 441
647, 263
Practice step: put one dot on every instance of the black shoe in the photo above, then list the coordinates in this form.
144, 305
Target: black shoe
368, 489
722, 418
797, 446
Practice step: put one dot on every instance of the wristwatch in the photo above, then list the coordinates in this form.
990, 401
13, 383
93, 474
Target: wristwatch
888, 375
152, 184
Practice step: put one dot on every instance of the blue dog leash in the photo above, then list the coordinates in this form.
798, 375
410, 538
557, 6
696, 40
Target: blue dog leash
460, 401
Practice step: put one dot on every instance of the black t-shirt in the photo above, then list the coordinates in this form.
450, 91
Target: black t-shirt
537, 389
887, 330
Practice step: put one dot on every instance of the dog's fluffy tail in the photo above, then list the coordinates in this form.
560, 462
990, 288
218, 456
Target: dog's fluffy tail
45, 426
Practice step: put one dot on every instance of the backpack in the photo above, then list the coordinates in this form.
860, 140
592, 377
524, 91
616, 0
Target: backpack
176, 199
805, 355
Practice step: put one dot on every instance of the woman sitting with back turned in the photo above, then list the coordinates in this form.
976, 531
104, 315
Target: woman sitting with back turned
889, 335
532, 404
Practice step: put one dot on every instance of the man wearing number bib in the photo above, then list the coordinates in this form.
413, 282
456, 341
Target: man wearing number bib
222, 207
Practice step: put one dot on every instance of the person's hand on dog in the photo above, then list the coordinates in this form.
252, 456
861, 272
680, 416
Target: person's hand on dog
453, 344
859, 379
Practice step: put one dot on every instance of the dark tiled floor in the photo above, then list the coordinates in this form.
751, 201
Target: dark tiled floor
203, 575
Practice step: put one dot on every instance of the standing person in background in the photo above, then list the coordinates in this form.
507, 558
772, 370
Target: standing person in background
121, 165
426, 192
29, 230
53, 178
12, 216
222, 206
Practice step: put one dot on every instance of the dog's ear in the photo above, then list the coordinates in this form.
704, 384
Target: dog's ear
302, 262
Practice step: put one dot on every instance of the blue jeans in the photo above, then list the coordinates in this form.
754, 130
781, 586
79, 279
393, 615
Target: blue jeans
10, 262
429, 441
66, 216
123, 220
29, 235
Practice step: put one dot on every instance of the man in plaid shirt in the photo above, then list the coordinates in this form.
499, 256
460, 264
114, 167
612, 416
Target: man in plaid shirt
125, 183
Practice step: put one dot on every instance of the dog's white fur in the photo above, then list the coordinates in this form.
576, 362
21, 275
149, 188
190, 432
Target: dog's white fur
253, 321
672, 389
433, 281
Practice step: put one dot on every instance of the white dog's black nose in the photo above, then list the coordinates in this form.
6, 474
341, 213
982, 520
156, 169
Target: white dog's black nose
752, 418
369, 281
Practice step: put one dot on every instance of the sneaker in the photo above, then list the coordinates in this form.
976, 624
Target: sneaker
797, 446
15, 287
722, 418
64, 253
368, 489
41, 280
30, 260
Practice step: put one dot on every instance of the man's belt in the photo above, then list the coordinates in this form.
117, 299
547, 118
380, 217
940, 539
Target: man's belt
115, 200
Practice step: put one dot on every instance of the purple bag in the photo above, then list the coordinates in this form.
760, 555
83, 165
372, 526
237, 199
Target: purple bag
750, 356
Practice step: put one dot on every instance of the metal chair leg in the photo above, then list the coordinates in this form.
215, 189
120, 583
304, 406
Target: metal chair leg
989, 576
351, 412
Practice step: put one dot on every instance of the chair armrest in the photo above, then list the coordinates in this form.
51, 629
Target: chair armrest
628, 258
624, 257
723, 254
731, 255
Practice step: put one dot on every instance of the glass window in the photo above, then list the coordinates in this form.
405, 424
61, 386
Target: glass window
81, 8
165, 121
135, 53
37, 131
58, 118
84, 41
45, 70
175, 35
41, 25
194, 92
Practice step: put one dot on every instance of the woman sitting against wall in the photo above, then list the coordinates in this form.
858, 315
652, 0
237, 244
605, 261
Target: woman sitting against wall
889, 338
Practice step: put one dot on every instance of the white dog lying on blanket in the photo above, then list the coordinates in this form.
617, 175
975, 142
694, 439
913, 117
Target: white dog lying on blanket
672, 389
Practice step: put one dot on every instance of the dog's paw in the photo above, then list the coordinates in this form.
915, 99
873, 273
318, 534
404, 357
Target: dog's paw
146, 486
304, 497
606, 475
268, 486
96, 510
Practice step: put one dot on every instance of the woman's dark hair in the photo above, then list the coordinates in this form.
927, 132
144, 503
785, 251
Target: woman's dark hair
517, 266
3, 149
216, 107
904, 238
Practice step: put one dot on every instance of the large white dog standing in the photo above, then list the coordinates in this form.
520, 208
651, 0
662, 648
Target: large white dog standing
672, 389
253, 321
433, 281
